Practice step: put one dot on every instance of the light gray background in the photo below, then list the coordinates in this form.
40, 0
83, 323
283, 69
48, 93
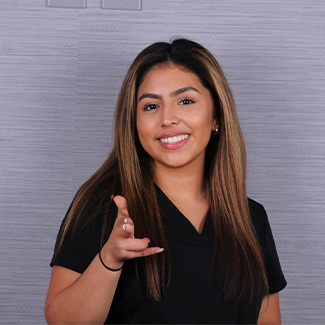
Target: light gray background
60, 74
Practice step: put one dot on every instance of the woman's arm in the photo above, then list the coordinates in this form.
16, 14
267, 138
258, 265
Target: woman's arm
87, 297
80, 298
270, 310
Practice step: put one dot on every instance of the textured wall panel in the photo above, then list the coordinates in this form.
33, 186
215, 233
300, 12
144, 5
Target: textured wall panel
60, 74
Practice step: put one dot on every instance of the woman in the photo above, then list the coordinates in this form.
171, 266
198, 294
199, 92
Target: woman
179, 242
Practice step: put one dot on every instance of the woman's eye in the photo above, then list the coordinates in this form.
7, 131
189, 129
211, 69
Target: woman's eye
150, 107
186, 101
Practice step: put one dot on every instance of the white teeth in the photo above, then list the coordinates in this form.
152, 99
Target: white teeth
174, 139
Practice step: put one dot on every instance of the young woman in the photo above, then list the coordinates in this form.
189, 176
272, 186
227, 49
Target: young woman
164, 232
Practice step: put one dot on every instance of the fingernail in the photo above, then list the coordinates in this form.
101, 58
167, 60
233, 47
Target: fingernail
124, 227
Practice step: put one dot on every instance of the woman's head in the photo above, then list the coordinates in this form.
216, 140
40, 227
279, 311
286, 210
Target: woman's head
191, 57
175, 118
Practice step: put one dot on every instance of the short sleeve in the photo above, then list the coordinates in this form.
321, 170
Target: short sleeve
275, 276
79, 249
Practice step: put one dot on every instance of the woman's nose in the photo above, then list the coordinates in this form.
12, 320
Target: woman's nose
169, 116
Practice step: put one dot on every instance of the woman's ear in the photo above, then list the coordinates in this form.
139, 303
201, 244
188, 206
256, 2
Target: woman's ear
215, 127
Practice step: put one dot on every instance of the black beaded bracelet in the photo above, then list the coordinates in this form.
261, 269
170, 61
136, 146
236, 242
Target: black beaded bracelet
108, 268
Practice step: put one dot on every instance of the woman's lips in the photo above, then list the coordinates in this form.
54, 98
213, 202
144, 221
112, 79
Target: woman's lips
175, 141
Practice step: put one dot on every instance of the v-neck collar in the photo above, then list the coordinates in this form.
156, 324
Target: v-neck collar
170, 211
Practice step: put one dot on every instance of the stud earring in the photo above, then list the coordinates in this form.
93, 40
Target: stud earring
215, 131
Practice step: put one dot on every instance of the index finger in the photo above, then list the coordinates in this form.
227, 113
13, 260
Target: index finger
121, 204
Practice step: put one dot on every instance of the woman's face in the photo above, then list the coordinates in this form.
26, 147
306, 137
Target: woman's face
175, 117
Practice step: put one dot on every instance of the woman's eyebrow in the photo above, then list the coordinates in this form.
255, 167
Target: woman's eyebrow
149, 95
173, 94
182, 90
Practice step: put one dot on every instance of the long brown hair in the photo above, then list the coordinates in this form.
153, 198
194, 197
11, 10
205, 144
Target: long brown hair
128, 171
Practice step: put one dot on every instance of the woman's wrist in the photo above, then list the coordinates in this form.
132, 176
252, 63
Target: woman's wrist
108, 261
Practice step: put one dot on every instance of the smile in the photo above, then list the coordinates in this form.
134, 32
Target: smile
173, 140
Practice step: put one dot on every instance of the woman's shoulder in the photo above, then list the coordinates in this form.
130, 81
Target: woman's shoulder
255, 206
258, 217
83, 241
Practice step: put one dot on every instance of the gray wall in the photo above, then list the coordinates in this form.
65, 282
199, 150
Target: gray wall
60, 73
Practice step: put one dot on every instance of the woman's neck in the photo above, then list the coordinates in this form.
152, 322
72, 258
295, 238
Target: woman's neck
181, 182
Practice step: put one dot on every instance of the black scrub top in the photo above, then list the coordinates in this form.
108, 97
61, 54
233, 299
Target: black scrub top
193, 292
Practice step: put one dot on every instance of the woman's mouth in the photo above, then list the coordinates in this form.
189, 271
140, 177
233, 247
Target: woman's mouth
176, 139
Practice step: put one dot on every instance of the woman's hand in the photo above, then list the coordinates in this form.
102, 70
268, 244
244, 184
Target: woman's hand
122, 245
86, 298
